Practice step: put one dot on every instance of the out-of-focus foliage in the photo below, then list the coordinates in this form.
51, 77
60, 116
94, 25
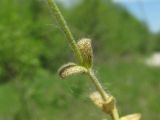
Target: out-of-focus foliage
32, 48
114, 30
18, 51
26, 42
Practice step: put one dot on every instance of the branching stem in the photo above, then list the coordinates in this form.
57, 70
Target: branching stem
62, 23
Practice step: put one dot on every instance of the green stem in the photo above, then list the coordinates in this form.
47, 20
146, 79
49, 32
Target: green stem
97, 84
63, 24
115, 114
73, 45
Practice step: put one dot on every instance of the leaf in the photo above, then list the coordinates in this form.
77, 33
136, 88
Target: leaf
135, 116
71, 69
86, 51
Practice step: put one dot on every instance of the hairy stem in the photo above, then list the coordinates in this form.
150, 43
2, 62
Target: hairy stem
72, 43
98, 85
63, 24
114, 113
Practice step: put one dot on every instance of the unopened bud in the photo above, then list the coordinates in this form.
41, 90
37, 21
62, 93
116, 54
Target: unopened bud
106, 106
86, 51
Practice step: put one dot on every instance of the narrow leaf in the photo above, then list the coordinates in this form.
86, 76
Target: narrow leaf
70, 69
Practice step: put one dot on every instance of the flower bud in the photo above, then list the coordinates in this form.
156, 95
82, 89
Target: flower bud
86, 51
107, 106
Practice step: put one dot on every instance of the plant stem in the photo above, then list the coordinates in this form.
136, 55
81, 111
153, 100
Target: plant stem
97, 84
114, 114
73, 45
63, 25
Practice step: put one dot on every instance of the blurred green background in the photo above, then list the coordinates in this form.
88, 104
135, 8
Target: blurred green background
32, 48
